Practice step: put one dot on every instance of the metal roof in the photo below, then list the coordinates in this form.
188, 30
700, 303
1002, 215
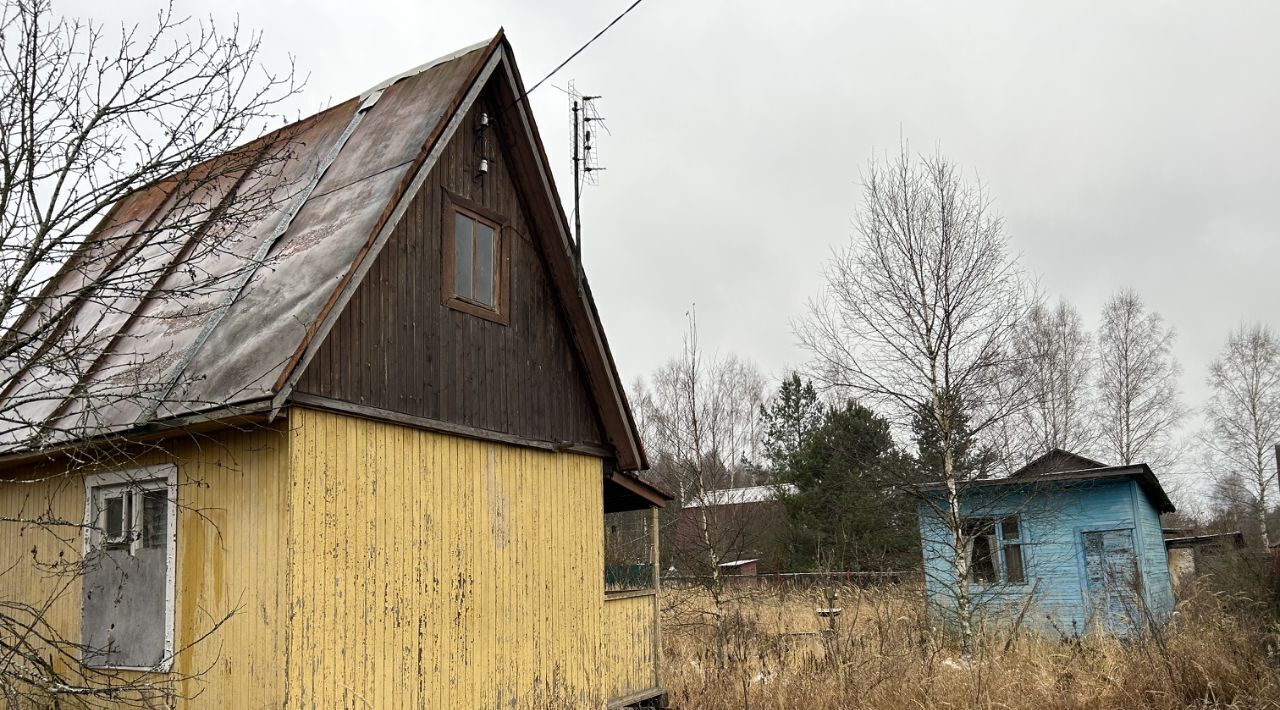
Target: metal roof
1235, 538
738, 496
738, 563
1141, 473
342, 174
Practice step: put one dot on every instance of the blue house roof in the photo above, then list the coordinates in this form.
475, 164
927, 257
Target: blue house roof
1030, 476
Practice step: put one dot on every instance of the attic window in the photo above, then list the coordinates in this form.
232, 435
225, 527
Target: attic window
475, 261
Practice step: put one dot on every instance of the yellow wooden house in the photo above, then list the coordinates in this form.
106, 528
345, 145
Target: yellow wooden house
381, 466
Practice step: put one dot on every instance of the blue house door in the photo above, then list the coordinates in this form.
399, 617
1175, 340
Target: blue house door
1112, 580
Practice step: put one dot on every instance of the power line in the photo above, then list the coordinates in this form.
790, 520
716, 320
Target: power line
561, 65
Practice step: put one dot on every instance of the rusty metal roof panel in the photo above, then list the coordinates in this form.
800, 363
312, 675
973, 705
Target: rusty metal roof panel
39, 394
398, 125
159, 341
169, 349
251, 346
127, 350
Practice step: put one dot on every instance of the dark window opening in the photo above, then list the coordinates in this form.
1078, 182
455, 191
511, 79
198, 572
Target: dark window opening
995, 550
1009, 528
116, 521
982, 565
1013, 564
155, 518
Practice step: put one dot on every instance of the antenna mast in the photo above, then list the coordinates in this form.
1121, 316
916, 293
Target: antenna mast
584, 160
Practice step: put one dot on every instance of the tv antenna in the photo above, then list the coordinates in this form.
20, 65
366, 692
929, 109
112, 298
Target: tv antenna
587, 122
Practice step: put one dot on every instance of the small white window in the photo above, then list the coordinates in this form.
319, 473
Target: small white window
127, 612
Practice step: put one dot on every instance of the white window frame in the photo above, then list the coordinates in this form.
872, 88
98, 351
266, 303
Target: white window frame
998, 542
143, 478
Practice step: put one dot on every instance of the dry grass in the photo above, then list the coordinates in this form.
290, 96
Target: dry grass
884, 654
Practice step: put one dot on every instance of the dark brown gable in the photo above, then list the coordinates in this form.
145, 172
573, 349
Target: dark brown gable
401, 346
1057, 461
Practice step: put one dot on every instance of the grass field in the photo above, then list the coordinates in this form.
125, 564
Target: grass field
884, 654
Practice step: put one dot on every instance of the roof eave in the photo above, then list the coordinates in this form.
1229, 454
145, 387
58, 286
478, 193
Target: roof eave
1138, 472
250, 412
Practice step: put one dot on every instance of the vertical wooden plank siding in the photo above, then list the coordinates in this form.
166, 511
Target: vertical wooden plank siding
231, 553
397, 346
629, 645
367, 564
231, 544
1053, 520
438, 571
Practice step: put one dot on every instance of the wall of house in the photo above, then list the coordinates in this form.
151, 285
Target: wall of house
1054, 520
438, 571
630, 645
397, 346
1157, 580
367, 562
231, 544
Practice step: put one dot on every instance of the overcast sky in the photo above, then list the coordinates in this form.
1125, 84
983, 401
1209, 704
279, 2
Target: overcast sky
1127, 144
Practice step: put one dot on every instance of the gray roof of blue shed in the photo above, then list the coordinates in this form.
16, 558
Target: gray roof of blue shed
1141, 473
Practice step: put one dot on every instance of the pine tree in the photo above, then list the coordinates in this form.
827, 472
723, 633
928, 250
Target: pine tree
972, 460
789, 419
848, 513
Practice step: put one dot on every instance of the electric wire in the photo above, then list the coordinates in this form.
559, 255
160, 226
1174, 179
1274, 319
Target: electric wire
570, 58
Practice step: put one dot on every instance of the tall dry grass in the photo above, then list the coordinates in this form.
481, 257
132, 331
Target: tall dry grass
883, 653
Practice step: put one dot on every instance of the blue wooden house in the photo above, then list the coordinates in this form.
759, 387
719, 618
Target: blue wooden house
1067, 544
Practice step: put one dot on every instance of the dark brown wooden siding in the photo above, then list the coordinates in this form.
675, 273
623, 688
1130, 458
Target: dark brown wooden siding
398, 347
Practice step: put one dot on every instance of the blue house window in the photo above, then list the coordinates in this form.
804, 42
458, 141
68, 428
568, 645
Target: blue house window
995, 550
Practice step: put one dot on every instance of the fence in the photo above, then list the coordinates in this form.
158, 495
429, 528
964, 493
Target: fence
794, 580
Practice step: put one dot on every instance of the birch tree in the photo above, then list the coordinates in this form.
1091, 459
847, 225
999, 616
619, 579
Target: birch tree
1243, 415
701, 418
918, 315
1138, 405
1056, 356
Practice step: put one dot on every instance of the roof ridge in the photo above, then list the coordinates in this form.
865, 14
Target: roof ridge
386, 83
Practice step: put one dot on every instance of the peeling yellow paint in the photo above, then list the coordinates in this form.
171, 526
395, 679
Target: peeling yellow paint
630, 642
473, 578
374, 565
230, 561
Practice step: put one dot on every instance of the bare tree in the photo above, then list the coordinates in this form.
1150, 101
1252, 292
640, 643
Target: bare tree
1243, 415
1138, 405
701, 421
1056, 356
89, 120
919, 314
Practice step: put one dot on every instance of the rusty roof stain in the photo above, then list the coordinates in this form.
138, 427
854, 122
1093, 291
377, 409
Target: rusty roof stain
165, 353
174, 349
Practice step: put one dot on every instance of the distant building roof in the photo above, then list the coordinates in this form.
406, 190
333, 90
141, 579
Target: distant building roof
1235, 538
738, 563
738, 496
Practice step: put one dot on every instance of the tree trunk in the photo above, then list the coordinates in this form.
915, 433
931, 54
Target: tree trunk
717, 586
1261, 512
959, 545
